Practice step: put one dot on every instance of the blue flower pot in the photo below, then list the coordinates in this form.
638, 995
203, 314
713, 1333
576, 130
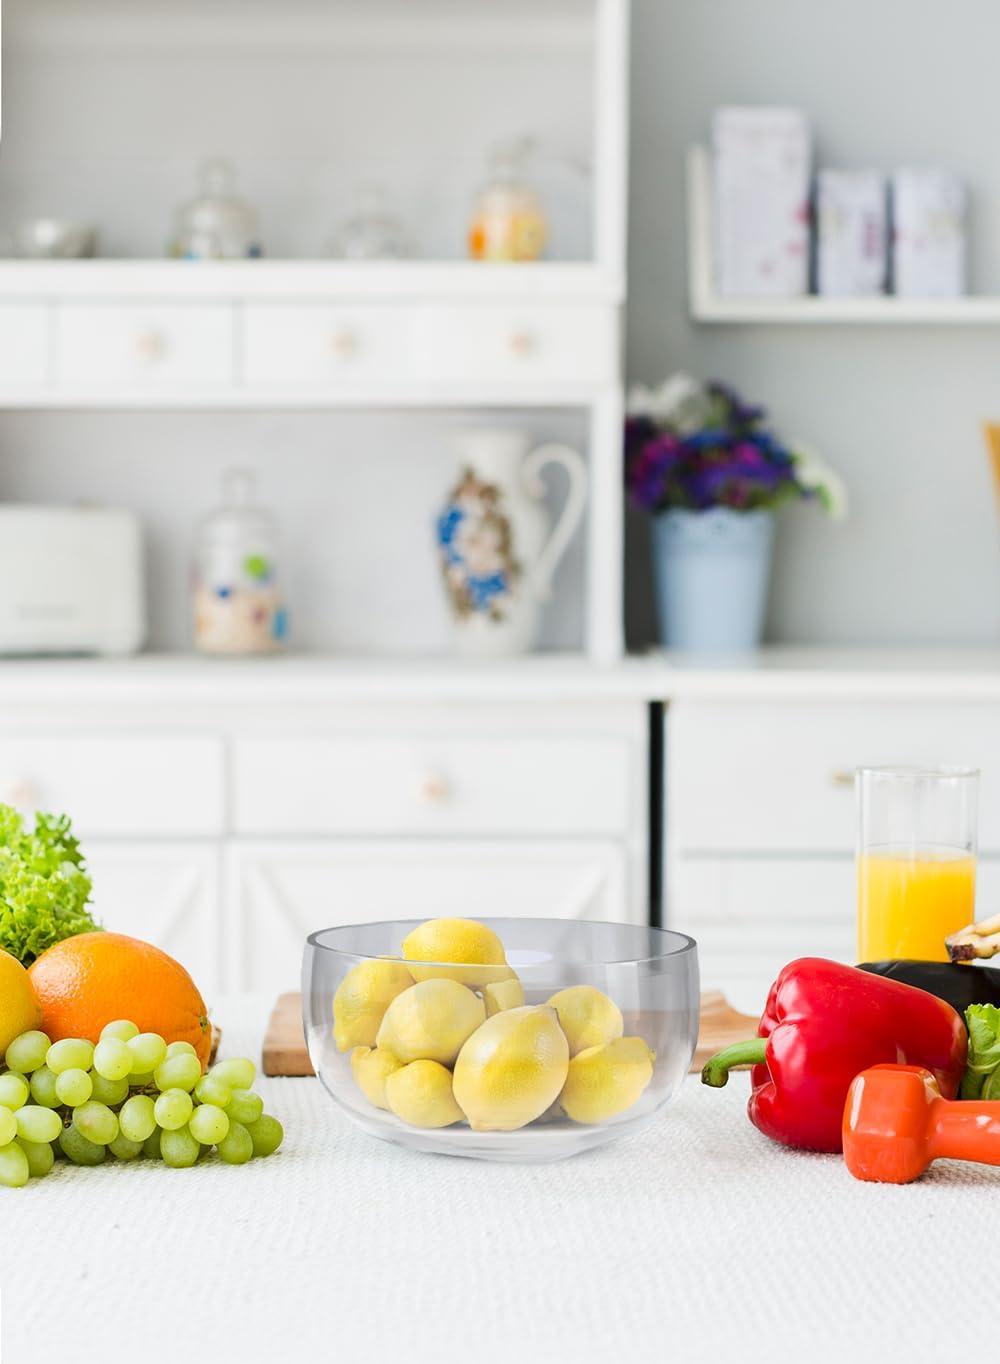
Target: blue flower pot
712, 573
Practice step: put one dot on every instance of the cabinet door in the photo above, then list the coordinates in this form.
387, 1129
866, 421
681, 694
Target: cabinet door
279, 893
168, 894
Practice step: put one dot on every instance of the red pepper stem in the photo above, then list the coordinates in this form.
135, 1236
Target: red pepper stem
750, 1053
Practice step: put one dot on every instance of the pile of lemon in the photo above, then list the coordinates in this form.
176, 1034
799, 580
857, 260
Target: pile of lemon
436, 1045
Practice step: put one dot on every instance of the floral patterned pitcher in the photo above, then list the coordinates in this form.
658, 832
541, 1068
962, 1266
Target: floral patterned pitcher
498, 552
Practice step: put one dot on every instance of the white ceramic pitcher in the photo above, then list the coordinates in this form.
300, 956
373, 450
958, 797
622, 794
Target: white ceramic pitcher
498, 551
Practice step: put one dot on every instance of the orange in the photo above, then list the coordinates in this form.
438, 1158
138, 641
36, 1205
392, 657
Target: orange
19, 1008
86, 982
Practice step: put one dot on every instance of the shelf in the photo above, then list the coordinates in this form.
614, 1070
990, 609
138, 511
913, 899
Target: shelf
317, 281
707, 306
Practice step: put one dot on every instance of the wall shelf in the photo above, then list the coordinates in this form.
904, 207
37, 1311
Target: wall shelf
708, 307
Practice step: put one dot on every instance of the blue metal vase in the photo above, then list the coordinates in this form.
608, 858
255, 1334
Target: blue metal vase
712, 574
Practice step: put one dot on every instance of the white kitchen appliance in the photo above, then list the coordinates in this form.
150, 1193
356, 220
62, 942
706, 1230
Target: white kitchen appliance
71, 581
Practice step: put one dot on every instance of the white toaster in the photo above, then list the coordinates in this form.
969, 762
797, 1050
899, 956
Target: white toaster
71, 581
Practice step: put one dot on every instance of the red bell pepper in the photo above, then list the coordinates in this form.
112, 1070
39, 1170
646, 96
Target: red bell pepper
823, 1024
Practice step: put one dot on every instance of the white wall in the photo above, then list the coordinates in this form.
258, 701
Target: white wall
898, 411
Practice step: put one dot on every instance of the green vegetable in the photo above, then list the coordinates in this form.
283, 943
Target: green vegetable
44, 886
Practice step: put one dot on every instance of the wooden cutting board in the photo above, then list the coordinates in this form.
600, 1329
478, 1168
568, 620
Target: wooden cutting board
285, 1048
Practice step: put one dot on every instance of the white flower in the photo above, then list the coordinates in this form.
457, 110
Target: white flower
679, 402
814, 474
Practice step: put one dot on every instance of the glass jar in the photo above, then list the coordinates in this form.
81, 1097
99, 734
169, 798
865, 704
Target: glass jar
218, 224
237, 604
372, 232
508, 222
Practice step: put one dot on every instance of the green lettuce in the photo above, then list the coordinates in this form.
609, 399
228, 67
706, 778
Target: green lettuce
982, 1070
44, 886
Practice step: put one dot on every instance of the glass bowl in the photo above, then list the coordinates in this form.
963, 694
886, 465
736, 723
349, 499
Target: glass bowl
650, 973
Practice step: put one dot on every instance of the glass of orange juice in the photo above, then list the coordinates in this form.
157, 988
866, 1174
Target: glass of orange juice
916, 859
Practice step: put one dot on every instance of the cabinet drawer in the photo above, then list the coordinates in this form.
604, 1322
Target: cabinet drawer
23, 345
758, 776
573, 344
277, 894
118, 785
430, 785
137, 348
316, 347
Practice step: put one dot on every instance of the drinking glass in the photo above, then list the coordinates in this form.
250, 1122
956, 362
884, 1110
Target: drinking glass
916, 859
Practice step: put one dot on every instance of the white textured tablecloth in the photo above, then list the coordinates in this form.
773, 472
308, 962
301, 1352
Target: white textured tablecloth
694, 1240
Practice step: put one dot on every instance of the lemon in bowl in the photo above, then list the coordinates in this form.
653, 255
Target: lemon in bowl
500, 1039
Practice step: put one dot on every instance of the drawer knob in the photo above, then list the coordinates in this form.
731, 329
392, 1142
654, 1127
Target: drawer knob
433, 788
344, 344
150, 346
523, 343
842, 776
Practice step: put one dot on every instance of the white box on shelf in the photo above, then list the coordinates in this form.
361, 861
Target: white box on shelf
929, 234
762, 167
852, 233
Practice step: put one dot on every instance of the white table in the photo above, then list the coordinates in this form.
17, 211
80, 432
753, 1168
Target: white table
694, 1240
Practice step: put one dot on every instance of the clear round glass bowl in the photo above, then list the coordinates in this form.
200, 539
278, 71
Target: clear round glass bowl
650, 973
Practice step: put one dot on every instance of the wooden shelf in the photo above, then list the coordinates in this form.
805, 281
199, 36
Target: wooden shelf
707, 306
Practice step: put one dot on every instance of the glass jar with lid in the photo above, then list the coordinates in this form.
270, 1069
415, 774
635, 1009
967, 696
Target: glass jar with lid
508, 222
218, 224
238, 605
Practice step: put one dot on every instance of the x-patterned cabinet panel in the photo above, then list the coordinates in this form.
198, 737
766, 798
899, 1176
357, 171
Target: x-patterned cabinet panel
279, 893
166, 893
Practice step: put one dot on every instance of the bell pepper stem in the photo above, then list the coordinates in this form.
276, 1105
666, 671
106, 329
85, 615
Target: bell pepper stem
750, 1053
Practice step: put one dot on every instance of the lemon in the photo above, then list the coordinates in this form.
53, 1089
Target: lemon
511, 1069
587, 1017
371, 1069
505, 994
604, 1081
456, 940
420, 1094
430, 1021
19, 1008
362, 998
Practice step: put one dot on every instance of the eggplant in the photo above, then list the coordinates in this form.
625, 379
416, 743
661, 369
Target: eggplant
959, 985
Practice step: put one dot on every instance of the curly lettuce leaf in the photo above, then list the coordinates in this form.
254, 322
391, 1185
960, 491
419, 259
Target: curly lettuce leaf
44, 885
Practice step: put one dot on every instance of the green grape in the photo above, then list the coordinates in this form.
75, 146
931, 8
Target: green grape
123, 1149
142, 1081
74, 1087
210, 1090
151, 1146
14, 1090
81, 1151
40, 1156
137, 1119
121, 1029
113, 1059
245, 1106
179, 1149
110, 1092
27, 1052
71, 1053
208, 1124
43, 1088
148, 1051
238, 1072
172, 1109
38, 1124
14, 1169
177, 1072
267, 1135
236, 1147
8, 1126
96, 1122
181, 1049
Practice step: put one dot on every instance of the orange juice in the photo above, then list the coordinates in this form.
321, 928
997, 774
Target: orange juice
908, 903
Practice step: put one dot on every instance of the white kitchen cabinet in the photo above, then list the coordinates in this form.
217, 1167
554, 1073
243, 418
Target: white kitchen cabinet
277, 893
155, 347
168, 894
24, 346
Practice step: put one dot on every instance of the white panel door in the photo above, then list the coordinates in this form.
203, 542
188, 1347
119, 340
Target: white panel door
168, 894
279, 893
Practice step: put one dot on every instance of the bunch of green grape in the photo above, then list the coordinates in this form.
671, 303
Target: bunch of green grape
131, 1095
